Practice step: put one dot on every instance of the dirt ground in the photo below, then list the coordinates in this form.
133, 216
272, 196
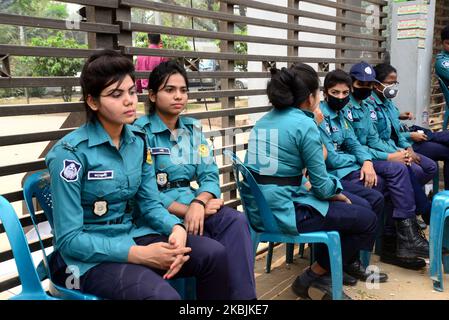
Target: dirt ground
403, 284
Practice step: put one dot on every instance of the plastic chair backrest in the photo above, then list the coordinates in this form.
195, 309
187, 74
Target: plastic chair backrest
252, 197
444, 89
38, 185
31, 285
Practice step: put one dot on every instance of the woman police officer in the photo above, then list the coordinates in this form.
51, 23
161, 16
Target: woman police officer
98, 172
282, 144
180, 154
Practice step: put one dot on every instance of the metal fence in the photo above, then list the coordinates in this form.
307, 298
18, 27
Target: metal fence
108, 24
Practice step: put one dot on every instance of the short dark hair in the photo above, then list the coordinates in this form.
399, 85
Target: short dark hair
154, 38
445, 33
160, 75
102, 69
383, 70
335, 77
289, 87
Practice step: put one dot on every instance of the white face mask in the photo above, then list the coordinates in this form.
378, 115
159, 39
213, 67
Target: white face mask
391, 91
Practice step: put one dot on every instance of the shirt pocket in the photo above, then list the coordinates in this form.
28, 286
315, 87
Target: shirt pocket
106, 189
360, 130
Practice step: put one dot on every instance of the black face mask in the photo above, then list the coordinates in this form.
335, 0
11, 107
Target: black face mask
337, 104
361, 93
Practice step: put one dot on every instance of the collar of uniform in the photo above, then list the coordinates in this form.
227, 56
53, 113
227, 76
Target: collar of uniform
327, 111
353, 103
142, 122
156, 123
97, 135
308, 113
380, 102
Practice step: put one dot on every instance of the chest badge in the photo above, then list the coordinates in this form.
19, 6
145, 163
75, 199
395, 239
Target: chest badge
161, 179
70, 171
203, 150
100, 208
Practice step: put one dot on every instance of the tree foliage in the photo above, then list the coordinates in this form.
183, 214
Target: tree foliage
55, 66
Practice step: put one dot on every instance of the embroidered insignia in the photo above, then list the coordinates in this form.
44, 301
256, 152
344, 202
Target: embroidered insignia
373, 115
203, 150
70, 171
349, 114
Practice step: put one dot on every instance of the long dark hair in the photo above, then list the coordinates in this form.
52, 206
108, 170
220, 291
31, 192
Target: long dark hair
102, 69
289, 87
159, 78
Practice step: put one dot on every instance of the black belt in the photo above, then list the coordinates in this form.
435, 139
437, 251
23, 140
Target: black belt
280, 181
175, 184
113, 221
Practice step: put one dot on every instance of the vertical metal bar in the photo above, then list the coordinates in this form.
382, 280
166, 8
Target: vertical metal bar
227, 83
340, 53
293, 34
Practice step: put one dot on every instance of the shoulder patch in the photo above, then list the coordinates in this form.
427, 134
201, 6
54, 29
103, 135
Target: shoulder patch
328, 128
445, 64
349, 115
70, 171
373, 115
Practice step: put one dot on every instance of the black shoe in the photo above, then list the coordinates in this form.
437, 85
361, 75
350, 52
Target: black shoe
321, 289
349, 280
388, 255
422, 225
308, 285
410, 241
356, 270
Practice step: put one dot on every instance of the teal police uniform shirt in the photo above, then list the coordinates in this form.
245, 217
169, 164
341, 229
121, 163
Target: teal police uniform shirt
282, 144
92, 184
388, 124
442, 66
345, 153
363, 119
186, 156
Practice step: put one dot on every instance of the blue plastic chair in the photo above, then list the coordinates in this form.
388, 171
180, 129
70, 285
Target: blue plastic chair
439, 238
436, 180
38, 185
31, 285
252, 197
445, 91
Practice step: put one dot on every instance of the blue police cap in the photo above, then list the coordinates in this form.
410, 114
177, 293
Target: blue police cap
363, 71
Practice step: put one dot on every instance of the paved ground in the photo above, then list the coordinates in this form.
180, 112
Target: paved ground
403, 284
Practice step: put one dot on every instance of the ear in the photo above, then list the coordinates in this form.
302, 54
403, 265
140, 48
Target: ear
92, 103
151, 96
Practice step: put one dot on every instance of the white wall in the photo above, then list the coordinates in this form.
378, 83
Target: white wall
269, 49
